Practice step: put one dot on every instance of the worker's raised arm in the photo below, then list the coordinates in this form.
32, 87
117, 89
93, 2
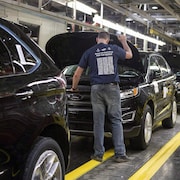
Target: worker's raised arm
125, 45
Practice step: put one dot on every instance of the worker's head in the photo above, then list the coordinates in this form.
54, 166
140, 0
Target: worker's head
103, 37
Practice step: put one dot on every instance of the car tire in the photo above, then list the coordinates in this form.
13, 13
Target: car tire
142, 141
171, 121
45, 161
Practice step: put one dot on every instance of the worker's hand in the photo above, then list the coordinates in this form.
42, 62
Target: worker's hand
74, 90
122, 38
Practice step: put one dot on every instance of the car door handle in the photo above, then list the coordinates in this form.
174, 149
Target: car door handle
25, 93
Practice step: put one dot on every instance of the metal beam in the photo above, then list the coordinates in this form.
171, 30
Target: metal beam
168, 8
178, 2
122, 11
144, 14
139, 18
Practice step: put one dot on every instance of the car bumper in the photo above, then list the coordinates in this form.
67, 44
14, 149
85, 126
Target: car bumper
132, 132
81, 118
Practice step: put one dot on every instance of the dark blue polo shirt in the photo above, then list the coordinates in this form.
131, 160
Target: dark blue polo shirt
102, 61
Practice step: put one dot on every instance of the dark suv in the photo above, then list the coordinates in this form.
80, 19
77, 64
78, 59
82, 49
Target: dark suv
173, 59
146, 82
34, 133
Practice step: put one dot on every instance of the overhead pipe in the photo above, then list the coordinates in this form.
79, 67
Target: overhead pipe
165, 37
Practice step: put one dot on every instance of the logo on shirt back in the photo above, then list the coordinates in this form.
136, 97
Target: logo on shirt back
104, 59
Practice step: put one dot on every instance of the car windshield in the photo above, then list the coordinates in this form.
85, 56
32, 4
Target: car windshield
122, 69
69, 70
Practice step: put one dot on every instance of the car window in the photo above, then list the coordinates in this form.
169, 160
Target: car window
154, 66
20, 59
165, 70
5, 60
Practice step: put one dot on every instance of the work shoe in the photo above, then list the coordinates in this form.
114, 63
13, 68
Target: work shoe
120, 159
97, 158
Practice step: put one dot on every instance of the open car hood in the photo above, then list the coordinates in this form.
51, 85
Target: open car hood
67, 48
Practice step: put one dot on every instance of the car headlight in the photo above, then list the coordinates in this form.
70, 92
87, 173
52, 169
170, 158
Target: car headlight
129, 93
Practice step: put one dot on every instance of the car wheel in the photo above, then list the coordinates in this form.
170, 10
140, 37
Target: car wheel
143, 139
171, 121
45, 161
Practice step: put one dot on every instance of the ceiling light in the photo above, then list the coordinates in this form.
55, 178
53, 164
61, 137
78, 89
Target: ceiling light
165, 19
154, 7
125, 30
129, 19
145, 19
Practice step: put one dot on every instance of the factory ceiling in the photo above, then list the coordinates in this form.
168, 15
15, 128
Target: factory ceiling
162, 15
158, 17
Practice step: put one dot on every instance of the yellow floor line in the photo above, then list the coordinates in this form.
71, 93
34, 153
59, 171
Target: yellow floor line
75, 174
144, 173
152, 166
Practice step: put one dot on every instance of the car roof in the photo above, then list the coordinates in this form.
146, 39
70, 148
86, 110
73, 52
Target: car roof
17, 29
